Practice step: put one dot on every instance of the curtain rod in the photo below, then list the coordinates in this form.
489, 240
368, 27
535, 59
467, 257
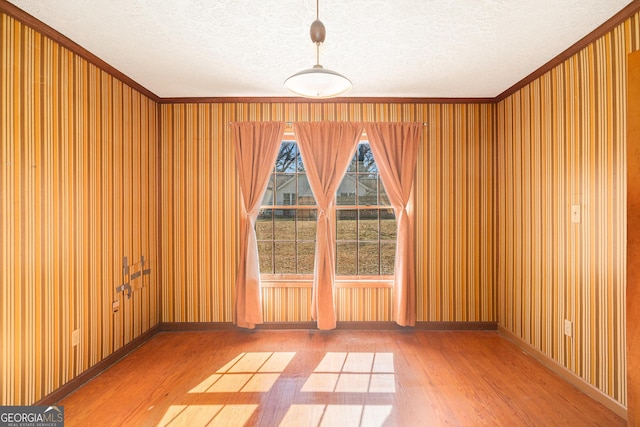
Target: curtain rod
291, 123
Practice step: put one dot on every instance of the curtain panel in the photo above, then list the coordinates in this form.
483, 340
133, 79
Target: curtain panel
395, 148
326, 149
256, 149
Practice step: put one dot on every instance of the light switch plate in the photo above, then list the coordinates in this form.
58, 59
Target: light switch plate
568, 327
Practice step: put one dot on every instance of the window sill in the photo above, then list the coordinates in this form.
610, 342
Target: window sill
342, 282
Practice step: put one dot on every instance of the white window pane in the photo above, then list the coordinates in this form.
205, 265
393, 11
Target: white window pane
286, 186
347, 259
368, 225
388, 225
384, 198
285, 258
365, 160
267, 199
287, 157
265, 254
347, 225
284, 224
305, 195
368, 261
353, 163
306, 257
346, 193
387, 257
264, 225
306, 224
367, 190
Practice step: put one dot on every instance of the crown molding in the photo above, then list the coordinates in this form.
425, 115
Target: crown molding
339, 100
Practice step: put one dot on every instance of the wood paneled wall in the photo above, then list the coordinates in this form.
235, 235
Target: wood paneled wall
455, 196
454, 212
78, 167
561, 142
199, 214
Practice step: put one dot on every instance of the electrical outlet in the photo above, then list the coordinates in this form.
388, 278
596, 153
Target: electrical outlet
116, 306
575, 214
568, 327
75, 337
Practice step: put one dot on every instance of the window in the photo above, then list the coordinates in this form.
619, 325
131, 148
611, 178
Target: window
365, 222
286, 225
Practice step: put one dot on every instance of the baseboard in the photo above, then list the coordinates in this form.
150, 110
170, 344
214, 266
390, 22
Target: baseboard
565, 374
348, 326
457, 326
77, 382
196, 326
420, 326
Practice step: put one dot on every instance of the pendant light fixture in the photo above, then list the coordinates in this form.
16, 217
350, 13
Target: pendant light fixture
318, 82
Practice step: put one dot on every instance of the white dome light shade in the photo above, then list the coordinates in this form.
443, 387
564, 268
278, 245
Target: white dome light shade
318, 82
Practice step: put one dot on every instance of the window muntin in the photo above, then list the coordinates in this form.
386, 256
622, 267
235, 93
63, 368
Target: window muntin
365, 222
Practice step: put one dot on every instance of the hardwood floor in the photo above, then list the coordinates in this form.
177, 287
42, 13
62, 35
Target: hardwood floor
336, 378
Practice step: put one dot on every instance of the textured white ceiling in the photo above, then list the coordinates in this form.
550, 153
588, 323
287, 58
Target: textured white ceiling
387, 48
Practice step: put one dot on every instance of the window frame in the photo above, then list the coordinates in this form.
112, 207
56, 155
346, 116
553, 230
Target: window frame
305, 280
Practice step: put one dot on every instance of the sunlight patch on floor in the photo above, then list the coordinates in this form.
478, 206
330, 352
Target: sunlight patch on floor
353, 373
247, 372
209, 415
336, 415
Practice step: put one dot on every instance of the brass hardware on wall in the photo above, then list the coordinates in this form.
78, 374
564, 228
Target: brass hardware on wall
129, 277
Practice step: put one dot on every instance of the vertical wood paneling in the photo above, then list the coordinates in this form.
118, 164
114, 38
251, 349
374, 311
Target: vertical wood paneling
364, 304
453, 204
286, 304
454, 215
200, 211
77, 169
561, 142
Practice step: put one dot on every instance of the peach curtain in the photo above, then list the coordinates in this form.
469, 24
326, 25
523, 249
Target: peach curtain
395, 149
326, 149
256, 147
